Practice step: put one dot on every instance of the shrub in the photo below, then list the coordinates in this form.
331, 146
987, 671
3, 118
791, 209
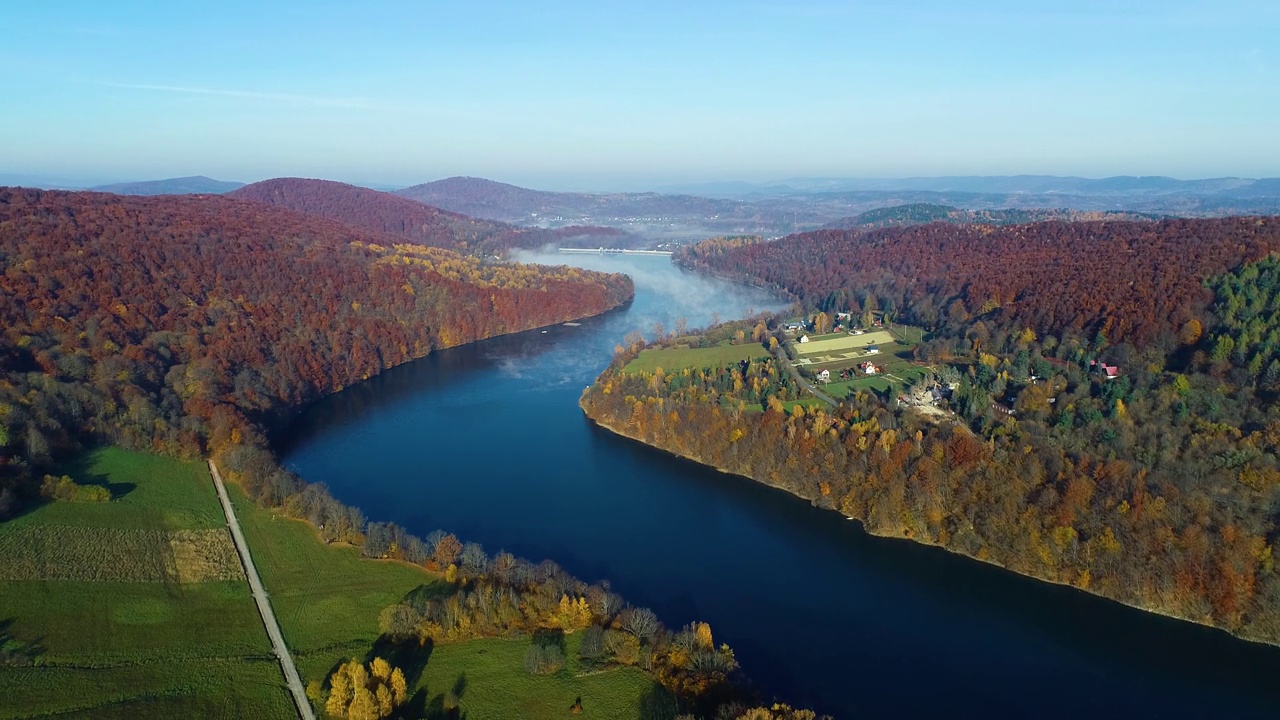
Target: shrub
65, 489
543, 659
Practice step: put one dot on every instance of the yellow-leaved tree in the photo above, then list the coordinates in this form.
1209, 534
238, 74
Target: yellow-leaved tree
362, 693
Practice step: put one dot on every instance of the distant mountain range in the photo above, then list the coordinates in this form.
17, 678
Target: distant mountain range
694, 212
196, 184
418, 222
499, 201
807, 204
999, 184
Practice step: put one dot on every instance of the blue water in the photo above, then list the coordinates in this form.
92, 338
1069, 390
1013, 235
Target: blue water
487, 441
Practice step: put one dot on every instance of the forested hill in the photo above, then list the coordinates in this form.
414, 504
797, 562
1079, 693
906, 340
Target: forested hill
1133, 281
372, 210
922, 213
499, 201
178, 323
416, 221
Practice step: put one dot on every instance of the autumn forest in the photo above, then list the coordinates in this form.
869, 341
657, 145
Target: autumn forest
1155, 483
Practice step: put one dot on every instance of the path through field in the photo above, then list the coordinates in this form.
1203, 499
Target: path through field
264, 606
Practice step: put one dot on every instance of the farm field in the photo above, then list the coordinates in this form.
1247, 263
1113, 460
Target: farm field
328, 598
119, 629
677, 358
840, 344
894, 358
132, 608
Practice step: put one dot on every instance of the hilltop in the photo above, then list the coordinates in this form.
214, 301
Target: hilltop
194, 185
419, 222
371, 210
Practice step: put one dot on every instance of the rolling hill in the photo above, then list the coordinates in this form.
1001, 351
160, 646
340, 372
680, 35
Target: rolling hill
499, 201
194, 185
418, 222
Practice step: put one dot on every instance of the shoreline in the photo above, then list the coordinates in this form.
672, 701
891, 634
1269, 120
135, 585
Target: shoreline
888, 536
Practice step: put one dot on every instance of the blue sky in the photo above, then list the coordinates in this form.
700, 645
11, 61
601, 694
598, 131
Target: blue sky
604, 95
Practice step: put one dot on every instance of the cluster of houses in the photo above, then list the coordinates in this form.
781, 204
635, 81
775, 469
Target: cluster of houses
866, 368
843, 320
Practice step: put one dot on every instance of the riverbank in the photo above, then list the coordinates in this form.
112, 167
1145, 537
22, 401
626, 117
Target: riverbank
619, 428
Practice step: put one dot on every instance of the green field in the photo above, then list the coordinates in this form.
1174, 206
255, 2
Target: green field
677, 358
497, 687
895, 358
842, 344
127, 637
327, 599
93, 598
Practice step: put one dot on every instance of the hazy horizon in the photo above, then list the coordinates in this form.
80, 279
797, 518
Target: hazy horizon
580, 96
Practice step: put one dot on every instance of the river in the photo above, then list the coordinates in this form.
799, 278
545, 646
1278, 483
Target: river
487, 441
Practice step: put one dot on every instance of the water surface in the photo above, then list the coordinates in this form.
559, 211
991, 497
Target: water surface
487, 441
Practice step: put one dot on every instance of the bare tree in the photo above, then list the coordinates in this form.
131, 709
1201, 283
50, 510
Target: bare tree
640, 622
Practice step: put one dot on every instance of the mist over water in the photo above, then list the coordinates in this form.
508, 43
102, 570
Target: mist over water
666, 293
487, 441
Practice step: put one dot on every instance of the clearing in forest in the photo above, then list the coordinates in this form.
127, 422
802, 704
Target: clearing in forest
838, 345
676, 358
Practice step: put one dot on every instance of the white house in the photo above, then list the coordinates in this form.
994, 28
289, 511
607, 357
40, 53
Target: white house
824, 376
804, 338
872, 350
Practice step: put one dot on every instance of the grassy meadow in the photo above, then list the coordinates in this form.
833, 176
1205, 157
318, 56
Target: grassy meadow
129, 608
677, 358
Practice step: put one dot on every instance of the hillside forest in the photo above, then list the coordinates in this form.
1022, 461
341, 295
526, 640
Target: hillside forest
181, 324
419, 223
1155, 483
184, 325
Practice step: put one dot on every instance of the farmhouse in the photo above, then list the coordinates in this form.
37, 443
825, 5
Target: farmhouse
824, 376
872, 349
1109, 372
804, 338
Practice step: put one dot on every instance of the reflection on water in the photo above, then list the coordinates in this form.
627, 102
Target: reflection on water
487, 441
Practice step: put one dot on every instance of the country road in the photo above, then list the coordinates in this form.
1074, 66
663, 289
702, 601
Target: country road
781, 356
291, 675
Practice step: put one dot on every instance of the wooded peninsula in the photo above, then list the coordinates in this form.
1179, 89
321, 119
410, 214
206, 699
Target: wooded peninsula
1094, 403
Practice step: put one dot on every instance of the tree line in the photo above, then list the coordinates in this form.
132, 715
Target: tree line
1136, 281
